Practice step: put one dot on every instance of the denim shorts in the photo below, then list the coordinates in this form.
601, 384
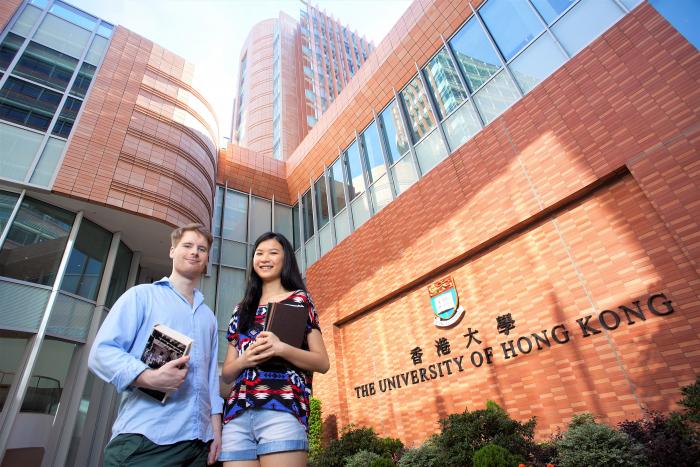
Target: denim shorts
257, 432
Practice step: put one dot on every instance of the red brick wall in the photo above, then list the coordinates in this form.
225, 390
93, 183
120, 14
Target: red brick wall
580, 198
133, 147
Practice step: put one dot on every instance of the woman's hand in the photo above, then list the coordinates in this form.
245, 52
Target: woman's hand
276, 345
257, 352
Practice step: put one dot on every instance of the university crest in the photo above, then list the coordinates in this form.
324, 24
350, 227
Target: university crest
445, 302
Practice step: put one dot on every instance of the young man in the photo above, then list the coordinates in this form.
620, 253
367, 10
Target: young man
146, 432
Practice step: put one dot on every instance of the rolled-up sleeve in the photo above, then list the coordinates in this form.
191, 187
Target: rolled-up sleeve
217, 402
109, 356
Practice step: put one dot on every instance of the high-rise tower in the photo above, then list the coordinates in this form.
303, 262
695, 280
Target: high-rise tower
290, 72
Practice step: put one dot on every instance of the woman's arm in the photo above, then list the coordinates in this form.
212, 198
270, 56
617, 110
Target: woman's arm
234, 363
314, 359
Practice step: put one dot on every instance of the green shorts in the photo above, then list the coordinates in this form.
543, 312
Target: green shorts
138, 451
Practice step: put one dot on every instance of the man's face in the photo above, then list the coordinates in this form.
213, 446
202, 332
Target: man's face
190, 255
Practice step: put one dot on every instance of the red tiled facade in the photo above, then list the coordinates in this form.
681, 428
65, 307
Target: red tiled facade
583, 197
246, 170
146, 141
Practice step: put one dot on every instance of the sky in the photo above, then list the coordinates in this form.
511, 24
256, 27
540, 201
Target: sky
210, 33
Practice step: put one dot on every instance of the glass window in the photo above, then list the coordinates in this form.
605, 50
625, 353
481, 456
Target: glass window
74, 15
373, 151
96, 50
35, 242
537, 62
499, 94
207, 286
63, 36
360, 210
48, 377
404, 174
48, 162
295, 227
307, 214
120, 274
261, 218
551, 9
23, 25
45, 66
381, 193
430, 152
325, 237
8, 49
337, 184
420, 117
83, 80
462, 125
22, 145
584, 22
28, 104
105, 29
13, 349
311, 254
216, 221
444, 84
7, 205
342, 226
393, 132
322, 214
283, 220
233, 254
235, 216
87, 261
475, 56
512, 24
354, 170
66, 119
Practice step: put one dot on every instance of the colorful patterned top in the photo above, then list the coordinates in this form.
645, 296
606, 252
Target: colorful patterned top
275, 384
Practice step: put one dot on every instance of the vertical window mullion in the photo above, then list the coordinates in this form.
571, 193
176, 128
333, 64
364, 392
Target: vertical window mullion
365, 175
331, 214
462, 79
404, 122
11, 218
433, 108
385, 152
314, 219
346, 184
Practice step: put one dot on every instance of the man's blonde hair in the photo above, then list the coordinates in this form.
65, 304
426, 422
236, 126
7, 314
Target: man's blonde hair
176, 235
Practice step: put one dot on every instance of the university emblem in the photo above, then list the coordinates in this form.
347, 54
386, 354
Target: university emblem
445, 302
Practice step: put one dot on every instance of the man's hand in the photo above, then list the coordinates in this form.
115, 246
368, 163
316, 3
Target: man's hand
167, 378
215, 446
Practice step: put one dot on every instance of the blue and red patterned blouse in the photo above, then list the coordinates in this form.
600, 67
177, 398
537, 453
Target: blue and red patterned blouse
275, 384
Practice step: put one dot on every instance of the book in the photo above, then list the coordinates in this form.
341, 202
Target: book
287, 320
164, 344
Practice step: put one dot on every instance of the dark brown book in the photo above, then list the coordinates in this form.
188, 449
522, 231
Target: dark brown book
287, 320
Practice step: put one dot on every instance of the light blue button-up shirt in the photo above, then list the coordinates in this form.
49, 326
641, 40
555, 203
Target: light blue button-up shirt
116, 358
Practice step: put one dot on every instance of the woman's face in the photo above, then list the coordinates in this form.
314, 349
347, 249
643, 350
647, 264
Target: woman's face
268, 260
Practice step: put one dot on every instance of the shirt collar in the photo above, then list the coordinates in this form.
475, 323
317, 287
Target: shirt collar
197, 300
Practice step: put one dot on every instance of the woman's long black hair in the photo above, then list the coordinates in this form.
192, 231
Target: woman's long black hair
290, 277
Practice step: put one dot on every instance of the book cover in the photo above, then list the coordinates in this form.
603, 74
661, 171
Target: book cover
287, 320
164, 344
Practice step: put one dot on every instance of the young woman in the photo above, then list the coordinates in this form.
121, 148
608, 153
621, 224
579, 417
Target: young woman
266, 413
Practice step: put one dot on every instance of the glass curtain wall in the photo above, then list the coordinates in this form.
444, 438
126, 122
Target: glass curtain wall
34, 237
500, 53
238, 220
48, 58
